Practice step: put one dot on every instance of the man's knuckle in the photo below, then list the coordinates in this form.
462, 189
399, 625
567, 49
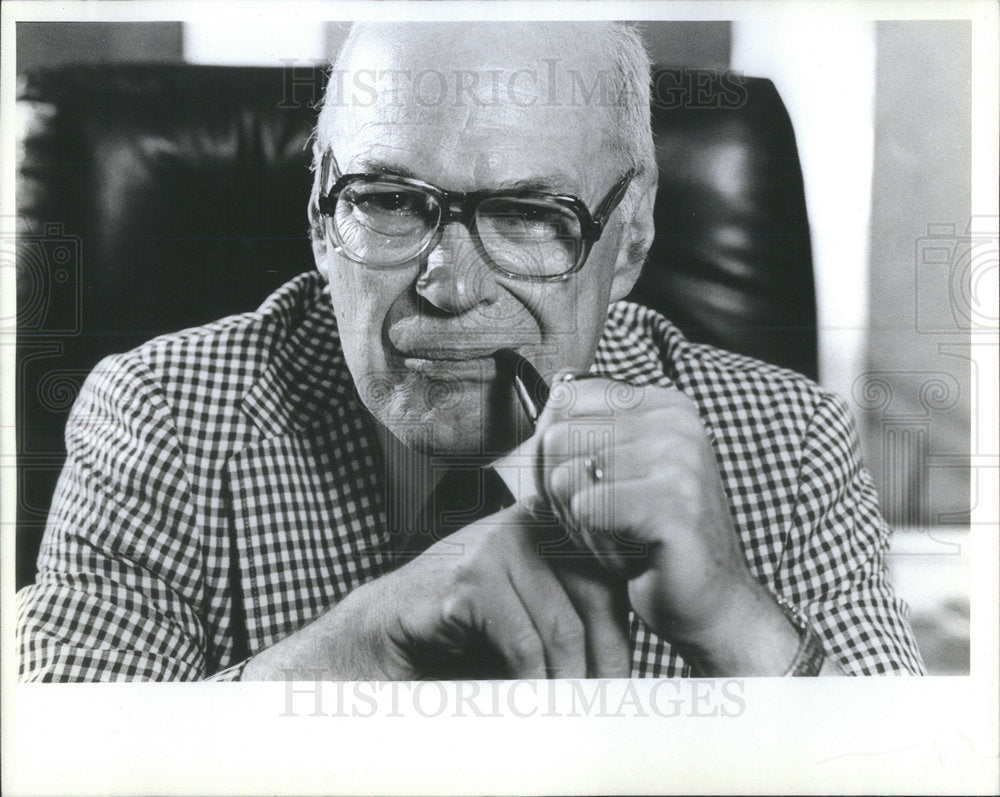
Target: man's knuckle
566, 632
559, 481
453, 609
526, 651
467, 575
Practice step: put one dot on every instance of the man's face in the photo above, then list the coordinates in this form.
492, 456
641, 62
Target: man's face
418, 338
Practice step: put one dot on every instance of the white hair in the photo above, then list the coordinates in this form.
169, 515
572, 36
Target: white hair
628, 133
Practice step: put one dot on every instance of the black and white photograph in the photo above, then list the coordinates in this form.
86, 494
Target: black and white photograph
459, 379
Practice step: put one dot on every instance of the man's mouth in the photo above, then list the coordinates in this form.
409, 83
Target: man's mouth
452, 354
446, 343
476, 364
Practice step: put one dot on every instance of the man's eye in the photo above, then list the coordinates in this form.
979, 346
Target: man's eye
528, 220
535, 213
390, 201
523, 216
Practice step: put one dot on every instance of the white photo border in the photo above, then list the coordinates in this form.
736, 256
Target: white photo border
935, 735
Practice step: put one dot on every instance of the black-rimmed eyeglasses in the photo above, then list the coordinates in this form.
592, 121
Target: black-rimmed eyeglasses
387, 221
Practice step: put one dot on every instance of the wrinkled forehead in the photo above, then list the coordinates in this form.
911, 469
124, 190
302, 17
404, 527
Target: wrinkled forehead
479, 96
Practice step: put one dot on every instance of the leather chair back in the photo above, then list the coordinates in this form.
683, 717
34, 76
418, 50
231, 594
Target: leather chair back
731, 264
156, 197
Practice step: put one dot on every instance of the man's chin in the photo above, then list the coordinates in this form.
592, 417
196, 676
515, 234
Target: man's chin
438, 422
450, 437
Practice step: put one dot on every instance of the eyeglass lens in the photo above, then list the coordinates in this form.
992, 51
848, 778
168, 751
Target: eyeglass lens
385, 224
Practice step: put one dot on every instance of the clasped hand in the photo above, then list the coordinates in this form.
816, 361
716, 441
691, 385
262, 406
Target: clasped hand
631, 477
631, 473
642, 521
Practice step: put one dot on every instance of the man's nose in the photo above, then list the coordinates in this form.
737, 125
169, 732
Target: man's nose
456, 279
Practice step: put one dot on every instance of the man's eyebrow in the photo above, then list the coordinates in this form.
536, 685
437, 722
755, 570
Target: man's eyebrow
380, 167
551, 184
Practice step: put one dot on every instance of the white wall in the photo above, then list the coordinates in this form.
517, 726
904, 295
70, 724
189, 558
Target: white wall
253, 41
824, 71
924, 243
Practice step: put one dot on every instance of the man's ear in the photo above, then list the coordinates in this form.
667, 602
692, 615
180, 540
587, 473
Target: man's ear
637, 237
316, 236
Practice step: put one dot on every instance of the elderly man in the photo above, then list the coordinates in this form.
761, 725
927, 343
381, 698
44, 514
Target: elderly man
282, 492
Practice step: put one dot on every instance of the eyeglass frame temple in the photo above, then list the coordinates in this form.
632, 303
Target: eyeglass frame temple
610, 203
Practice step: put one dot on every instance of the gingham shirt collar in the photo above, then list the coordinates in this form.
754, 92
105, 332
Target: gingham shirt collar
306, 375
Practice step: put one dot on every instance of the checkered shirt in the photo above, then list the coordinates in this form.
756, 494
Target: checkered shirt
222, 488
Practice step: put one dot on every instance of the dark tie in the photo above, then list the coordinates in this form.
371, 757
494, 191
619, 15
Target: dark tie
463, 496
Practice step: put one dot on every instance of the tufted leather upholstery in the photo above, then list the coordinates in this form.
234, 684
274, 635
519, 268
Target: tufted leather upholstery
155, 197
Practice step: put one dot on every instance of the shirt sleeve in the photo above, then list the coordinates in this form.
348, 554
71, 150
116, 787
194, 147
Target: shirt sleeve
119, 580
834, 563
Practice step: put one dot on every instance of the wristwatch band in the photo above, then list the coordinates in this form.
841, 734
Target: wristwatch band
810, 656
